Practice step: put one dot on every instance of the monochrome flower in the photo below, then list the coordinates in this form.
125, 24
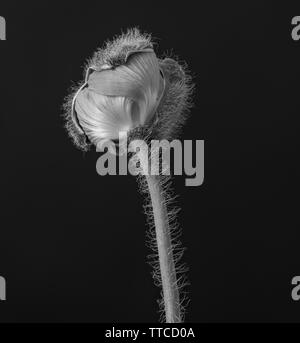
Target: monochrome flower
128, 90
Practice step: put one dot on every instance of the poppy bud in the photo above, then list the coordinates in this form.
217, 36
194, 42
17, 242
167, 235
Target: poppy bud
128, 90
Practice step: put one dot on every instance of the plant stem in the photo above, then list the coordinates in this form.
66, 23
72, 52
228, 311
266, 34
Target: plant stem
169, 283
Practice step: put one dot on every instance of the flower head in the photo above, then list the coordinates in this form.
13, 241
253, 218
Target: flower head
126, 88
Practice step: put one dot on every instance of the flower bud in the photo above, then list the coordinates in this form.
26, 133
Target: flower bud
128, 90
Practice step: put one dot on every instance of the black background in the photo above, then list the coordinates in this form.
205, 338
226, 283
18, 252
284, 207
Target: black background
72, 243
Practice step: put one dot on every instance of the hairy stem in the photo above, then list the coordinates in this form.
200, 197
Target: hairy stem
169, 282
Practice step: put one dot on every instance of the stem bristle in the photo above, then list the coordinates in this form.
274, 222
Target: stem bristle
176, 249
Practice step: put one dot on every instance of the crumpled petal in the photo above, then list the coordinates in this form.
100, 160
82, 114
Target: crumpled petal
120, 99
